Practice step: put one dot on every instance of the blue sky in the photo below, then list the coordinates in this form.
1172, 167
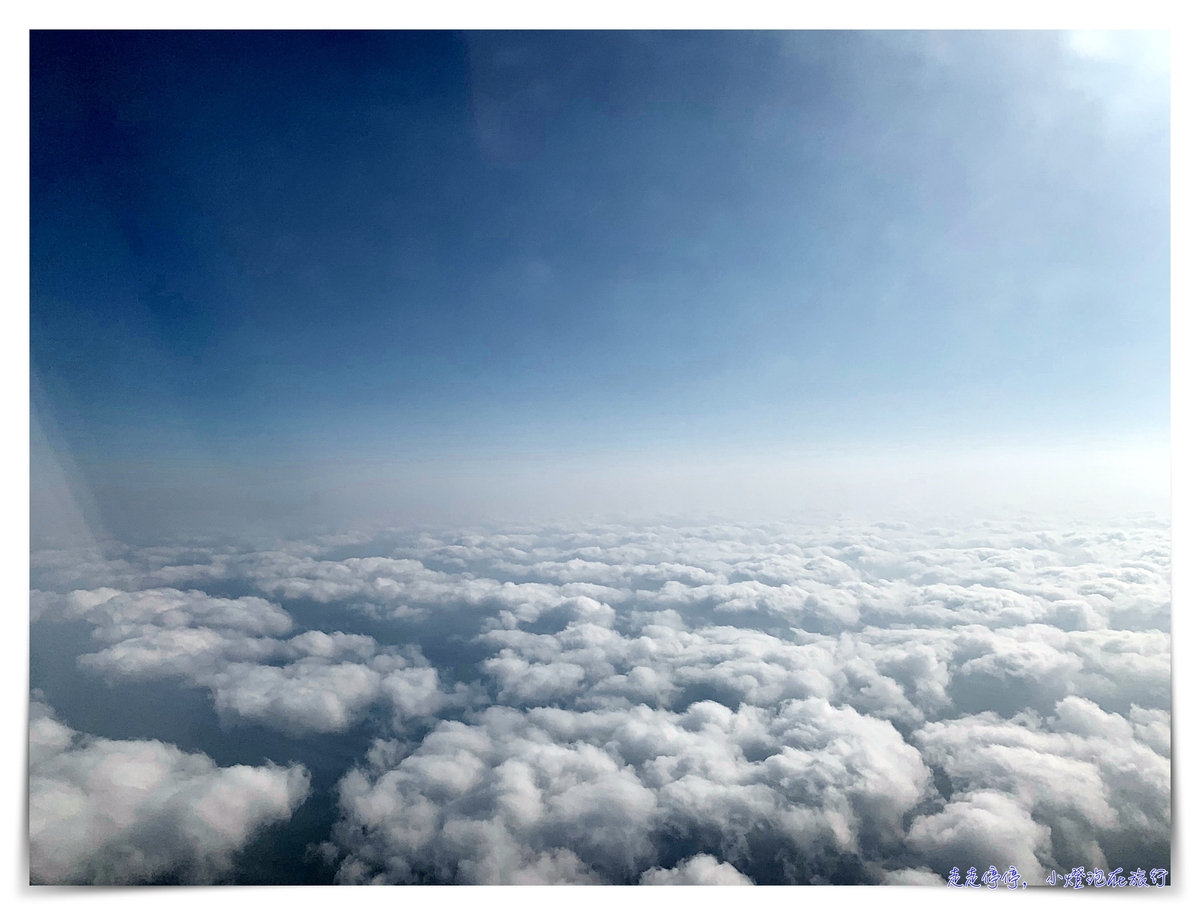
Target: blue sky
274, 247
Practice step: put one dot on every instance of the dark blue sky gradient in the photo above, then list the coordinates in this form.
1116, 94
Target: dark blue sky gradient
371, 243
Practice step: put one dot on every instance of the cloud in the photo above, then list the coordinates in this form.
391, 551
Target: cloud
982, 826
309, 695
776, 703
481, 801
128, 811
702, 870
1084, 773
314, 682
912, 876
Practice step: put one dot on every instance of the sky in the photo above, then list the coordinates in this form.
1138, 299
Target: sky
636, 458
335, 259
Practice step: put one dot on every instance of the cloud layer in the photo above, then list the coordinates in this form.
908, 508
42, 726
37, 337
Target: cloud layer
721, 704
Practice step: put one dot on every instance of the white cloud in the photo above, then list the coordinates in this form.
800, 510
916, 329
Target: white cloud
1082, 772
771, 703
314, 682
126, 811
912, 876
310, 695
481, 801
698, 870
983, 826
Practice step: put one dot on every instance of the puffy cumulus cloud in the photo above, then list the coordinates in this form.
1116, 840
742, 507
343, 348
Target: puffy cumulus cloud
406, 588
905, 675
663, 662
911, 876
497, 802
1082, 787
825, 578
314, 682
323, 695
610, 793
116, 565
1115, 668
838, 703
699, 870
118, 615
128, 811
309, 695
983, 826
